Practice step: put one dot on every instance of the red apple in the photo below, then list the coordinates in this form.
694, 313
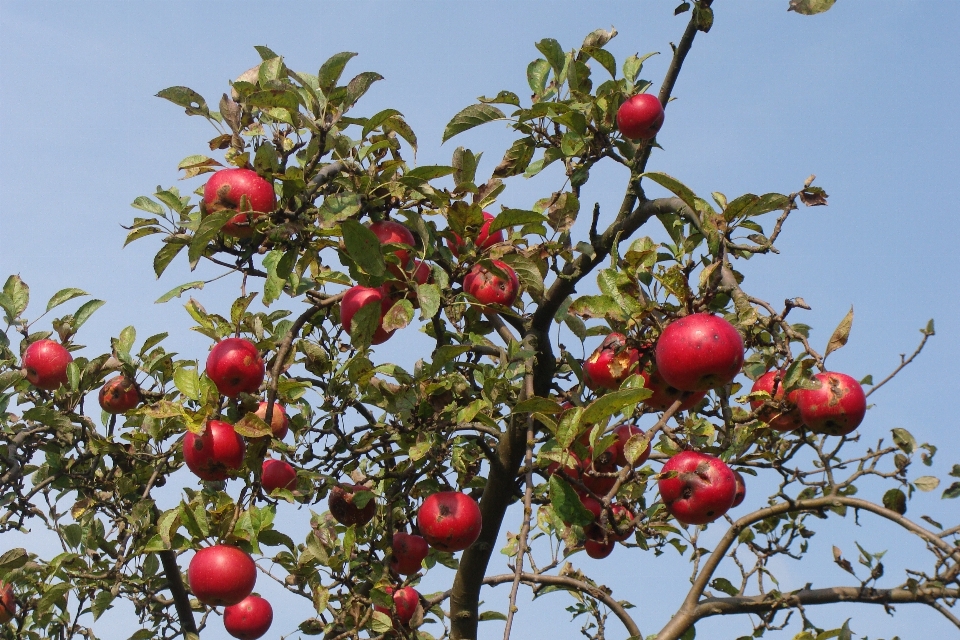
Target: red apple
214, 454
664, 395
492, 286
702, 490
449, 520
623, 521
235, 366
605, 463
408, 553
279, 423
405, 602
699, 352
785, 416
228, 187
624, 432
345, 511
834, 409
571, 466
741, 489
599, 549
8, 603
358, 297
278, 474
221, 575
595, 507
119, 395
390, 232
46, 363
483, 240
610, 364
640, 117
249, 619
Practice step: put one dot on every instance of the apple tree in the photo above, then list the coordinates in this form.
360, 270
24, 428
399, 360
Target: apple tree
314, 209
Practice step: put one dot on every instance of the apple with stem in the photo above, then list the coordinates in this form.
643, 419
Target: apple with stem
409, 551
221, 575
697, 488
784, 415
277, 474
279, 422
836, 407
484, 239
449, 520
611, 363
599, 549
119, 395
699, 352
496, 285
640, 117
249, 619
236, 367
358, 297
45, 363
239, 189
344, 508
215, 453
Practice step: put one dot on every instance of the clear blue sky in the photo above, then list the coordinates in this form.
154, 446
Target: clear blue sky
864, 96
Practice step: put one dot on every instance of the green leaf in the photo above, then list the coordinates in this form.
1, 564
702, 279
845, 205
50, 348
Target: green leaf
809, 8
399, 315
428, 295
610, 403
251, 426
528, 273
330, 71
633, 65
514, 218
359, 86
186, 97
491, 615
670, 183
63, 295
364, 324
927, 483
471, 117
13, 559
240, 305
841, 334
604, 57
146, 204
567, 503
553, 52
363, 247
16, 296
73, 376
537, 404
895, 500
905, 440
209, 228
381, 622
722, 584
537, 72
187, 381
178, 290
569, 427
504, 97
165, 256
953, 491
101, 602
378, 119
516, 159
429, 172
85, 311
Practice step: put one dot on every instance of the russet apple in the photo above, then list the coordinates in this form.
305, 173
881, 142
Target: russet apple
342, 507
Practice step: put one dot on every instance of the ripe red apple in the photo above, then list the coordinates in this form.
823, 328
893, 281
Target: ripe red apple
741, 489
699, 352
664, 395
449, 520
214, 454
786, 418
409, 550
391, 232
8, 603
345, 511
595, 507
235, 366
571, 466
611, 363
622, 522
249, 619
278, 474
119, 395
226, 188
702, 490
221, 575
483, 240
279, 423
46, 363
599, 549
499, 285
640, 117
405, 602
606, 462
358, 297
836, 408
624, 432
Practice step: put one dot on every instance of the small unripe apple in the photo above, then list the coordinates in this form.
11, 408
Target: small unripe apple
391, 232
640, 117
786, 417
277, 474
483, 240
249, 619
45, 362
405, 602
221, 575
598, 549
836, 408
664, 395
342, 508
611, 363
358, 297
8, 603
499, 285
226, 188
702, 490
235, 366
449, 520
408, 553
279, 423
741, 489
119, 395
699, 352
213, 455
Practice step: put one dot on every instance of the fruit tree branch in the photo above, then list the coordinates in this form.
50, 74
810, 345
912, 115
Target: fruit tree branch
181, 600
904, 362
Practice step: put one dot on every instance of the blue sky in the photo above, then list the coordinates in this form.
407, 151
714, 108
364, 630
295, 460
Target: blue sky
864, 96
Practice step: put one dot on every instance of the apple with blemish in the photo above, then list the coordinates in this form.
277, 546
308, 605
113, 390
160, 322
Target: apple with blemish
784, 415
405, 603
239, 189
611, 363
409, 551
836, 407
358, 297
344, 508
279, 422
249, 619
8, 602
236, 367
496, 285
119, 395
215, 453
664, 395
484, 239
449, 520
45, 363
697, 488
624, 432
699, 352
741, 489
